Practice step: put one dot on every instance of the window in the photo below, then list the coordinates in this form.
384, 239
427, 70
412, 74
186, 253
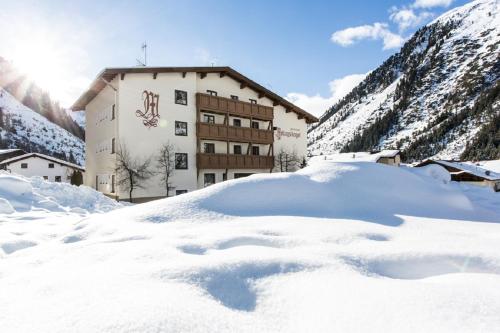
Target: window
255, 124
24, 165
224, 176
51, 165
57, 179
113, 146
234, 97
179, 192
255, 150
237, 149
209, 179
181, 128
181, 97
253, 101
208, 119
113, 112
212, 92
46, 177
237, 122
181, 161
209, 148
112, 183
241, 175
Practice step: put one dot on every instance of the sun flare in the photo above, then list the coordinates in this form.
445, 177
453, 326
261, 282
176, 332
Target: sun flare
42, 62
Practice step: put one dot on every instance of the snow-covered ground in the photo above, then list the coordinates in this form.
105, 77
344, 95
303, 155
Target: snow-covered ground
348, 246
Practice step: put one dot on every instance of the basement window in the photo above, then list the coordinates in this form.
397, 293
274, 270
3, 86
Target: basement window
57, 179
179, 192
209, 179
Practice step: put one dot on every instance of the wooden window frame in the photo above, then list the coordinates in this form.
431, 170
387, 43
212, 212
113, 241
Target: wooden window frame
209, 116
209, 144
254, 148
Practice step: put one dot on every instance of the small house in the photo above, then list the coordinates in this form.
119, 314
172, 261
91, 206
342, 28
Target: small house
48, 167
469, 173
389, 157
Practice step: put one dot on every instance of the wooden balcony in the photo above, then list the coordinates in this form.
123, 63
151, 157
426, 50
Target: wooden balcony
233, 107
230, 161
209, 131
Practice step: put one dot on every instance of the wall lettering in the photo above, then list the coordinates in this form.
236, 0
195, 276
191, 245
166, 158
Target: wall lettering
150, 115
293, 133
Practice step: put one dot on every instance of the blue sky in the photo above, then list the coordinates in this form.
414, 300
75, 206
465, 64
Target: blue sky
284, 45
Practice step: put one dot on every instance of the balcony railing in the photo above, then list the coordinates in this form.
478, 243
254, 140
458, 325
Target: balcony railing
233, 107
229, 161
210, 131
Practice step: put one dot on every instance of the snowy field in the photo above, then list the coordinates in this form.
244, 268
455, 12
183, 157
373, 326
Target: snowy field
348, 246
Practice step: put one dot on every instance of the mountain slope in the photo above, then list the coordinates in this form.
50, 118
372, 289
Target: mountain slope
437, 97
21, 127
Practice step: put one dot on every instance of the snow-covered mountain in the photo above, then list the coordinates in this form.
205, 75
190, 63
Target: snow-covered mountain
439, 96
21, 127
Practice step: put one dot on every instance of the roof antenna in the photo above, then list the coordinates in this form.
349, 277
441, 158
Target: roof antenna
144, 48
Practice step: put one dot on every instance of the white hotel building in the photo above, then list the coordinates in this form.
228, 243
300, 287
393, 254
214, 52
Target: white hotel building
222, 125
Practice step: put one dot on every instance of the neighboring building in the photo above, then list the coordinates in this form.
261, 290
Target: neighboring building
222, 125
465, 172
389, 157
50, 168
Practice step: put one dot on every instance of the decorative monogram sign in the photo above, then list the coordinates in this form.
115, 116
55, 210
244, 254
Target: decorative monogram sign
150, 116
293, 133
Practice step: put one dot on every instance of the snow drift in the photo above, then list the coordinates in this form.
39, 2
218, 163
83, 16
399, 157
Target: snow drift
21, 194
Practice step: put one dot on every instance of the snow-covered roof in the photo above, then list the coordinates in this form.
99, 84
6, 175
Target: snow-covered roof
8, 151
469, 168
46, 157
387, 153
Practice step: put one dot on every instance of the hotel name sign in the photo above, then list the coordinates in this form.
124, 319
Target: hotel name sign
150, 115
292, 133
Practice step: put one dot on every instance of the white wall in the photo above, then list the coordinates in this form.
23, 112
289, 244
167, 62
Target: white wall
40, 167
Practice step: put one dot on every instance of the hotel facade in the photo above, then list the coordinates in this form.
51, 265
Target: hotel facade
221, 124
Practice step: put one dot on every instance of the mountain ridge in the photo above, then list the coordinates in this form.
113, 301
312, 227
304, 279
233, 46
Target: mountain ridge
429, 98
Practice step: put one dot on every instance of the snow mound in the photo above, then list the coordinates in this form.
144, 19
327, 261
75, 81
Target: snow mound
363, 191
21, 194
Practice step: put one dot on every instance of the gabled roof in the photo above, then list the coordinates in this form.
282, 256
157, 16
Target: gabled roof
109, 74
463, 168
43, 156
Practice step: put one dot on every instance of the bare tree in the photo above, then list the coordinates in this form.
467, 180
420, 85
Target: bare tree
287, 161
131, 172
166, 164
